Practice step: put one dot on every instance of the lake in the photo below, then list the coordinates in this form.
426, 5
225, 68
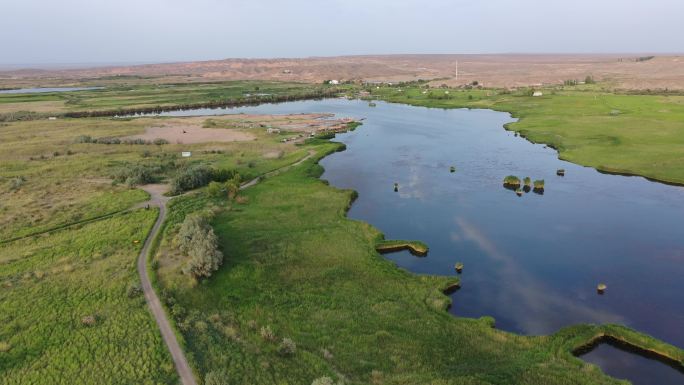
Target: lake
533, 261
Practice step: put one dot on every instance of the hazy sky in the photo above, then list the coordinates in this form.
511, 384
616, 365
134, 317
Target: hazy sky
106, 31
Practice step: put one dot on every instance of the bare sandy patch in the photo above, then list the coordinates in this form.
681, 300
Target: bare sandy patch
188, 131
234, 127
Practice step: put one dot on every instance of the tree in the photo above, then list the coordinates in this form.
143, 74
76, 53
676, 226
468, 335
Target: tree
232, 186
197, 240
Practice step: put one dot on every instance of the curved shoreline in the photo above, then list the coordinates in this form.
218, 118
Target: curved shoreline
516, 115
606, 334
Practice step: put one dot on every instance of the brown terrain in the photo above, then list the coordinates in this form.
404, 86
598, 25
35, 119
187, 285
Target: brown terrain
230, 128
501, 70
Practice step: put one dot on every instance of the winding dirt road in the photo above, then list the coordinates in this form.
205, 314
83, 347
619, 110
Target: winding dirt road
182, 367
157, 199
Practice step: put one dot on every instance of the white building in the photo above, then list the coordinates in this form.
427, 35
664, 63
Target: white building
537, 93
334, 82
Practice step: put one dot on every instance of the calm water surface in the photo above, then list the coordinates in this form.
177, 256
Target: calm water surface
48, 89
531, 262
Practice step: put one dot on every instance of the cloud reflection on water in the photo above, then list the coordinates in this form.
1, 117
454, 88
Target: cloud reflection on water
524, 294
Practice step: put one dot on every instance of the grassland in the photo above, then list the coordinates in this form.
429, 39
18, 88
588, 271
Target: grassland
295, 267
627, 134
140, 96
65, 311
51, 284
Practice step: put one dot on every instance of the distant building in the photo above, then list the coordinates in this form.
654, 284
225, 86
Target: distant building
334, 82
537, 93
52, 118
272, 130
186, 154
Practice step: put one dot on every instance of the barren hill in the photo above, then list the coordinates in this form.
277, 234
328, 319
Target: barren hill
631, 71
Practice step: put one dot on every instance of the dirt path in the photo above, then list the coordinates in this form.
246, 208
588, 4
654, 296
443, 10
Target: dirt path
277, 171
157, 199
184, 370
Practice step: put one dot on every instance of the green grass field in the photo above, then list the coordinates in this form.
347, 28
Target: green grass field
48, 284
630, 134
76, 268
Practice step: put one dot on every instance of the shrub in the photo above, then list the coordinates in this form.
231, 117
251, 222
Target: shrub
160, 141
16, 183
527, 181
216, 377
83, 139
287, 347
134, 290
197, 240
191, 178
512, 181
5, 347
267, 334
88, 320
107, 140
215, 189
327, 354
137, 174
323, 381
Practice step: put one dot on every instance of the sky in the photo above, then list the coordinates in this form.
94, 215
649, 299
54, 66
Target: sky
137, 31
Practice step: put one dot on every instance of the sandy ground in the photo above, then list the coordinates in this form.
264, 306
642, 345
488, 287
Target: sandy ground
232, 128
622, 71
188, 134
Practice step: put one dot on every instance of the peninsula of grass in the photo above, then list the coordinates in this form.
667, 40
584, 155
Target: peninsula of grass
297, 270
646, 138
391, 246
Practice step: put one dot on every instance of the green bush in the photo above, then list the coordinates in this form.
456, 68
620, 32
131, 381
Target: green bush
215, 189
191, 178
287, 347
511, 180
323, 381
137, 174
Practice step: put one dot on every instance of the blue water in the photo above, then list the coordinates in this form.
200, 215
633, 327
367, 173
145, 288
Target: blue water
531, 262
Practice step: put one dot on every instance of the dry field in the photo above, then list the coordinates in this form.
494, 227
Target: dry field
230, 128
621, 71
